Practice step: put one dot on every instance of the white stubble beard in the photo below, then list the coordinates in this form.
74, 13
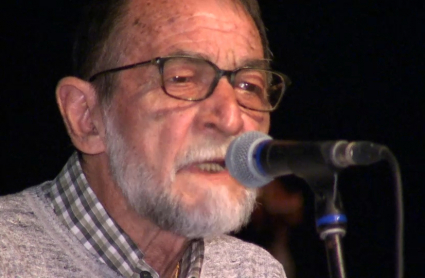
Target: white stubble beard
152, 197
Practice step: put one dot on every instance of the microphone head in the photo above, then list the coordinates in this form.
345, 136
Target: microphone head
241, 161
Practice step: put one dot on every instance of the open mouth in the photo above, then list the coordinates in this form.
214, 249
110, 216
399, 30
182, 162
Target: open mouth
211, 166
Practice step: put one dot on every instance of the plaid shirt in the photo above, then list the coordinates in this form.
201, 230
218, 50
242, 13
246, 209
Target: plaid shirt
75, 203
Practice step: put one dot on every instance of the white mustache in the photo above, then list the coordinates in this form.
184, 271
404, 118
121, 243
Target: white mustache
202, 152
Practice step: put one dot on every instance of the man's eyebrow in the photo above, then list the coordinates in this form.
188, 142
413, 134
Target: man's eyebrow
256, 63
180, 52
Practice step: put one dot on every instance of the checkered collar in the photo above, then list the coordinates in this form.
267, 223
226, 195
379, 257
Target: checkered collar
77, 206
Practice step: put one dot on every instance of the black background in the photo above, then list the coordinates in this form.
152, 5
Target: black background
357, 69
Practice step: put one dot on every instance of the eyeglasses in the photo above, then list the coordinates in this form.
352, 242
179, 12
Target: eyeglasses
194, 79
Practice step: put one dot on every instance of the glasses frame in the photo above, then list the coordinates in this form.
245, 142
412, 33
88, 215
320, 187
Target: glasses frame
219, 73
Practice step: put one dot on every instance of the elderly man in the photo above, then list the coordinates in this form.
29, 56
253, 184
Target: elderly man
162, 88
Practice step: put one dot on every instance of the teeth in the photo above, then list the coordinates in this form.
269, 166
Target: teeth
210, 167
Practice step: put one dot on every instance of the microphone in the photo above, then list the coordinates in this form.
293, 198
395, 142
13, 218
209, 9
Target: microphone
255, 159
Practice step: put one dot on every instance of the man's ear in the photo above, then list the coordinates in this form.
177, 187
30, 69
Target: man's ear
81, 113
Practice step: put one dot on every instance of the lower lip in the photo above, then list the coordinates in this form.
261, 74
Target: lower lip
195, 169
193, 173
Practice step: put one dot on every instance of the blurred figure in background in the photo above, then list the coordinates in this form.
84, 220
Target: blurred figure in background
279, 208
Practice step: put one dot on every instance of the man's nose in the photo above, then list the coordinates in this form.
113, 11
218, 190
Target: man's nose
221, 110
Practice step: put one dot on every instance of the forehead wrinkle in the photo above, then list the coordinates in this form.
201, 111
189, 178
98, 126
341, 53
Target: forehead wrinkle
194, 30
189, 36
226, 25
198, 22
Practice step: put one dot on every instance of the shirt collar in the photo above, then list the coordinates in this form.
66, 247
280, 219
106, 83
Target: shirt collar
77, 206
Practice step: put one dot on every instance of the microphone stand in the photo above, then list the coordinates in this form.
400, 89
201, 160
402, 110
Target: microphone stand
330, 218
331, 224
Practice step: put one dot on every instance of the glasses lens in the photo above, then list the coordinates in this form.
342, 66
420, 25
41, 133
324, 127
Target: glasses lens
258, 89
190, 78
187, 78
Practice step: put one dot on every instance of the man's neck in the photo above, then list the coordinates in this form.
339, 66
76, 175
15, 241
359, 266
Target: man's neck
162, 249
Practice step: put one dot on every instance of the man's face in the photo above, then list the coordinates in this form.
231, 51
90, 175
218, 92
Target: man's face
167, 155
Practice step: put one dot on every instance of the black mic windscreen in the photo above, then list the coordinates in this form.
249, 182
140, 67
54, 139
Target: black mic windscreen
240, 160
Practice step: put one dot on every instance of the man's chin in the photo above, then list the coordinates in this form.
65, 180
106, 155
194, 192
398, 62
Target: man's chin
213, 209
